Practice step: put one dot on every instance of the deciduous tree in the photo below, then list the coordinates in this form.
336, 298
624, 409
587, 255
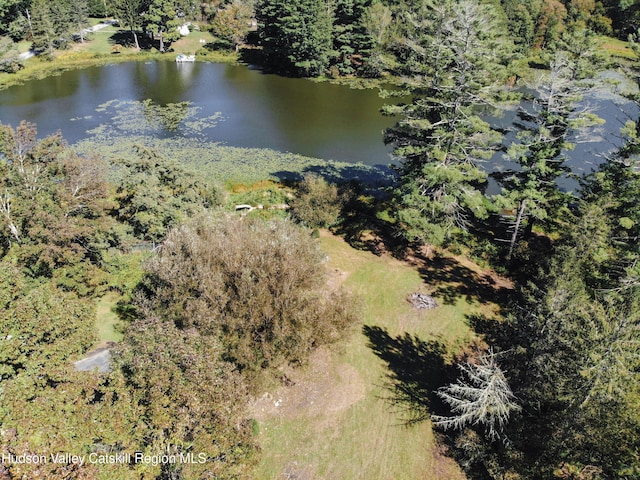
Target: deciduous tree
232, 22
189, 401
52, 206
155, 194
130, 14
257, 286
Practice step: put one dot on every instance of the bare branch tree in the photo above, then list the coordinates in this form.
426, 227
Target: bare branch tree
481, 396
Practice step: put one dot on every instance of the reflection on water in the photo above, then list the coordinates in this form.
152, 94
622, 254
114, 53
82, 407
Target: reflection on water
257, 110
253, 109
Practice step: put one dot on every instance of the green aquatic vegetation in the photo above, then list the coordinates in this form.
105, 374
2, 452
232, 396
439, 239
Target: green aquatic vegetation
149, 118
222, 163
177, 131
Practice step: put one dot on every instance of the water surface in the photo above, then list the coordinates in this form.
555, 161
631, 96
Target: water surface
257, 110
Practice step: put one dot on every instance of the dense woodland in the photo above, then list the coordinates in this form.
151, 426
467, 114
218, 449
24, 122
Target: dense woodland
304, 37
221, 301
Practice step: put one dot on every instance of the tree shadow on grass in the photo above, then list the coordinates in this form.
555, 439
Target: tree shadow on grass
455, 280
125, 39
417, 369
366, 190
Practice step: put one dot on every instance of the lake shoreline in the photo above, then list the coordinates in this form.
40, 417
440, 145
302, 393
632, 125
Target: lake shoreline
39, 69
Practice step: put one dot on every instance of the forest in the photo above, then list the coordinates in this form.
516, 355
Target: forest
217, 306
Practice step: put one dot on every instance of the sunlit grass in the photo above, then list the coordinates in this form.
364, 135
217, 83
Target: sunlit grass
192, 42
101, 42
23, 46
368, 439
615, 47
107, 322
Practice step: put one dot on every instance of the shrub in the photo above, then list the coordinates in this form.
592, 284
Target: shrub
318, 203
11, 65
258, 285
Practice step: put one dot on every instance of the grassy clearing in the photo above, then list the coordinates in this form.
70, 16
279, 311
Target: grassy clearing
107, 322
98, 50
334, 422
101, 42
616, 48
192, 42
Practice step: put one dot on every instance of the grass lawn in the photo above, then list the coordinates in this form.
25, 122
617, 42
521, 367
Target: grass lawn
23, 46
107, 322
101, 42
333, 422
191, 43
615, 47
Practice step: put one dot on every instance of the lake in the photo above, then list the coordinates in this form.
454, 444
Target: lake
315, 119
258, 110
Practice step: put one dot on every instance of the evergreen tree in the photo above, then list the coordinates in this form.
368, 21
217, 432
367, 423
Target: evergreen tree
351, 41
482, 397
98, 8
377, 20
129, 12
161, 19
295, 35
44, 29
522, 17
79, 16
577, 368
615, 188
531, 189
441, 138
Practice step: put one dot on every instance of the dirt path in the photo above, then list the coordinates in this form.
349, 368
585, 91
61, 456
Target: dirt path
97, 359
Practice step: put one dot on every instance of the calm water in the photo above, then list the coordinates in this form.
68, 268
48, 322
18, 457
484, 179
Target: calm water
315, 119
295, 115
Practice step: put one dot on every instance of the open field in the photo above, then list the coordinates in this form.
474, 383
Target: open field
617, 48
107, 321
333, 421
99, 50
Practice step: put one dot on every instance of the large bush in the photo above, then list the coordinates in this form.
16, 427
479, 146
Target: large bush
155, 194
318, 203
259, 286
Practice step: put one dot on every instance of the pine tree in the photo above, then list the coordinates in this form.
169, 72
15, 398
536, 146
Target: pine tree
43, 26
577, 370
79, 16
161, 19
441, 139
481, 397
295, 35
351, 41
531, 189
129, 12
